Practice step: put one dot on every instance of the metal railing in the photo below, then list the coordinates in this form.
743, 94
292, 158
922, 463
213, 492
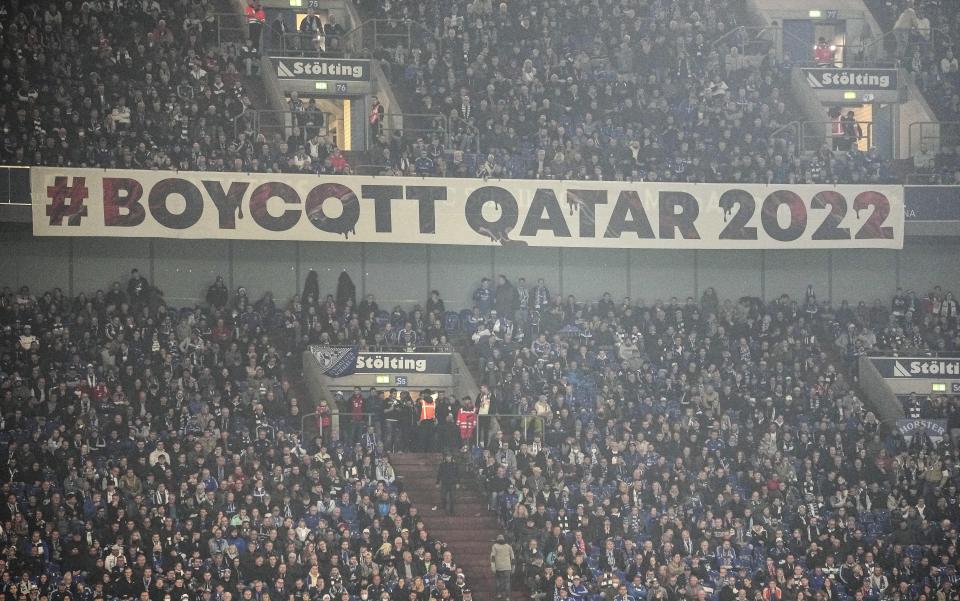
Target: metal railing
753, 40
814, 134
341, 423
384, 33
15, 185
887, 43
231, 28
499, 420
279, 125
778, 135
922, 179
369, 169
300, 44
413, 125
933, 134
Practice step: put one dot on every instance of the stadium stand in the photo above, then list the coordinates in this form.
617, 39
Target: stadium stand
152, 452
677, 449
717, 449
126, 85
612, 92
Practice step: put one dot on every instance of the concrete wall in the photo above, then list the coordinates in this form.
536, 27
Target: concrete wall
404, 274
879, 397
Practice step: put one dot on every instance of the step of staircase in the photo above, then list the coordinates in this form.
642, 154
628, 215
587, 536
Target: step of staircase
469, 533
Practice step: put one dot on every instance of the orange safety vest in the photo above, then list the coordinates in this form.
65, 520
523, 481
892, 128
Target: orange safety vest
428, 411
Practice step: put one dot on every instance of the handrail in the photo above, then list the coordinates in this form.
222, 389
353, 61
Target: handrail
793, 126
343, 419
298, 44
374, 169
390, 124
879, 42
240, 27
496, 417
823, 132
288, 122
912, 353
921, 179
886, 64
358, 33
917, 134
743, 44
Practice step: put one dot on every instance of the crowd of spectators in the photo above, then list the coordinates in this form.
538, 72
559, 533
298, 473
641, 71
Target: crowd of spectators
155, 453
655, 92
677, 450
909, 325
717, 450
143, 85
925, 42
599, 91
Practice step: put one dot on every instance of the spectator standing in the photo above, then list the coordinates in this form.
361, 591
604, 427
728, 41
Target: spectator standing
902, 30
852, 132
217, 293
448, 479
483, 297
357, 405
256, 19
392, 414
435, 304
484, 414
506, 298
375, 118
466, 421
824, 53
310, 28
501, 564
332, 32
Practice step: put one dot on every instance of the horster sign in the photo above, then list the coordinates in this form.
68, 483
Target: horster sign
852, 79
77, 202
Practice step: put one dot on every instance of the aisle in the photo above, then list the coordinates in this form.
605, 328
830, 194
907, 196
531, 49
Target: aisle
469, 534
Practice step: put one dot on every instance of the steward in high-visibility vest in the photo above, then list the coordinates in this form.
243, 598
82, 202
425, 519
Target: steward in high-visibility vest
427, 421
428, 410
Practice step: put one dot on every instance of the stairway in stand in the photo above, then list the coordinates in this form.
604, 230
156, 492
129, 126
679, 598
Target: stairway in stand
469, 533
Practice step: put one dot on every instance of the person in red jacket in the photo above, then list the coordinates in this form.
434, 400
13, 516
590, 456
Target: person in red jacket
339, 162
256, 19
823, 53
466, 421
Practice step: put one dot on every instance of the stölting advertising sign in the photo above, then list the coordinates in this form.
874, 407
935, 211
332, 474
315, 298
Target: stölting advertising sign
864, 80
569, 214
917, 367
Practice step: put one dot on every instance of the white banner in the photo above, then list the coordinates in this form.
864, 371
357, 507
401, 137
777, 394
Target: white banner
88, 202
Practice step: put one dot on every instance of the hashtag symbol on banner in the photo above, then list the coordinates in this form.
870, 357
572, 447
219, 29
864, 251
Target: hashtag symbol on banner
67, 201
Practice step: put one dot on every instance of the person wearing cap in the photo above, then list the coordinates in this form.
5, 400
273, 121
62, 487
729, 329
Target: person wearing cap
501, 564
